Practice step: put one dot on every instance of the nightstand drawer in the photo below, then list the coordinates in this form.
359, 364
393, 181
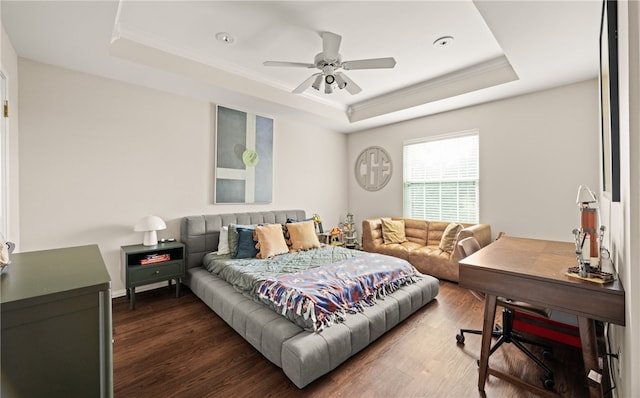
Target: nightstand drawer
144, 274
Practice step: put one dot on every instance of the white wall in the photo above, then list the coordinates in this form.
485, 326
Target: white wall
9, 66
96, 155
535, 150
624, 216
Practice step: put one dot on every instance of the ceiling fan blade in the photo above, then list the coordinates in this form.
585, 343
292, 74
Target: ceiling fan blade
295, 64
351, 86
374, 63
305, 84
331, 45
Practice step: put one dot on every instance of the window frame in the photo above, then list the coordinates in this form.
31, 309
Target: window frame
471, 216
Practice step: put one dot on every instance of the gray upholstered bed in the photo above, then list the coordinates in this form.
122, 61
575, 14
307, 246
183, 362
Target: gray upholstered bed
303, 355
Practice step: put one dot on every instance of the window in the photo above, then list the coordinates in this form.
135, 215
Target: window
441, 178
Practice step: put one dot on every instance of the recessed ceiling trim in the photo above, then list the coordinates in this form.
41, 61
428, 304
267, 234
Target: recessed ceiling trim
149, 40
159, 59
483, 75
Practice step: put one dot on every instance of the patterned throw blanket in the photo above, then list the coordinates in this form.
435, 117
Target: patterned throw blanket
319, 297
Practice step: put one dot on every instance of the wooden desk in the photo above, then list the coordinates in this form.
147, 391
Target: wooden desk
533, 271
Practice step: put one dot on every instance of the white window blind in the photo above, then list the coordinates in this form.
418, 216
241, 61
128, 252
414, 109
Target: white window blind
441, 178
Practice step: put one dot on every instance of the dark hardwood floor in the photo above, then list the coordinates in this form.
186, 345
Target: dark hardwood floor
170, 347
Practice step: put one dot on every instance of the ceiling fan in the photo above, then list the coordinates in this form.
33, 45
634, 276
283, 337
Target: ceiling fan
329, 61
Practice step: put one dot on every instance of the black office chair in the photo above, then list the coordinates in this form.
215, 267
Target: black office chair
506, 334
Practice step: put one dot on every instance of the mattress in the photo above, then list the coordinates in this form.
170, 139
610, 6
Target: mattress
303, 355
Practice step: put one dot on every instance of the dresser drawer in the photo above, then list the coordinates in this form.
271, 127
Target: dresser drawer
144, 274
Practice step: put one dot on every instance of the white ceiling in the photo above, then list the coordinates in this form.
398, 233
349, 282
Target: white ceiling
500, 49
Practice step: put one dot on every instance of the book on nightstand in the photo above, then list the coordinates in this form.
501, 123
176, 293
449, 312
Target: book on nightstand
155, 258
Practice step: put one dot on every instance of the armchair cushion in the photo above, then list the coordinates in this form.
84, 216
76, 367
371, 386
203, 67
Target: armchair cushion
448, 240
393, 231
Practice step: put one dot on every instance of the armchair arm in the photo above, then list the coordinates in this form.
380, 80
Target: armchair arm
371, 234
482, 233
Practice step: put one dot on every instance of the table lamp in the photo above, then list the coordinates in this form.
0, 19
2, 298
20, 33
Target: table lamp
587, 204
6, 248
149, 225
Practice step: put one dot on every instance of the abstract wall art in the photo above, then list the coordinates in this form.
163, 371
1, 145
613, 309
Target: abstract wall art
243, 157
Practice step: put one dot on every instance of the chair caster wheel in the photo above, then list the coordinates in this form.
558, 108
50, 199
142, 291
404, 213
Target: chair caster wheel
547, 354
460, 338
548, 382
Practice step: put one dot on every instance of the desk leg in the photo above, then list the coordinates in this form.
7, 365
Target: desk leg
487, 329
590, 353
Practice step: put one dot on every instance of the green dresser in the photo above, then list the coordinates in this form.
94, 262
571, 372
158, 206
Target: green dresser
56, 324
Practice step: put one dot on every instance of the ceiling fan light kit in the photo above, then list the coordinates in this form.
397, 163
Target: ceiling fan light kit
318, 81
341, 82
329, 61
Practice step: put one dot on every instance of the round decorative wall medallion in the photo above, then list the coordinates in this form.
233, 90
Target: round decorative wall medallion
373, 168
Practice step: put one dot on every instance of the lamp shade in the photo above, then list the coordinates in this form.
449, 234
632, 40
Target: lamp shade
149, 225
585, 195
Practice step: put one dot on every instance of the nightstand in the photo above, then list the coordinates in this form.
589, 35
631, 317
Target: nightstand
324, 237
142, 265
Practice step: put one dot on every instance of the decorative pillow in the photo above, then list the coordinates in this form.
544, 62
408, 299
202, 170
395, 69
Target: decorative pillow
292, 220
393, 231
270, 240
302, 235
223, 243
233, 237
449, 237
246, 244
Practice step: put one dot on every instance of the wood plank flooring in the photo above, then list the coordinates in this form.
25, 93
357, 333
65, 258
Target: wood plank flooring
170, 347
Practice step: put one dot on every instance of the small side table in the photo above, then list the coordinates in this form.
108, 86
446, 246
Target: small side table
324, 237
137, 273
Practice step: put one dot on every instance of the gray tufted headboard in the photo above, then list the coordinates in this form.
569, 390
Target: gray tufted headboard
200, 234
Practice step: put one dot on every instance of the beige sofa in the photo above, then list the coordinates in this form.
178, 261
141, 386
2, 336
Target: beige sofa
422, 247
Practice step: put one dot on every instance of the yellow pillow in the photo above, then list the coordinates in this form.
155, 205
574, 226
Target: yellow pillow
270, 240
303, 236
393, 231
449, 237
